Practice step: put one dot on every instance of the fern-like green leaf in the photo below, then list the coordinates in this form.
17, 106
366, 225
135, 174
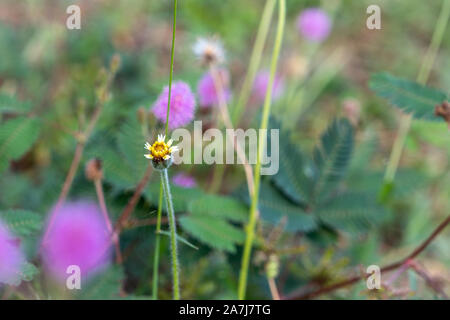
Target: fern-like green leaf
213, 232
273, 207
219, 206
130, 142
409, 96
292, 178
16, 137
332, 157
351, 212
21, 222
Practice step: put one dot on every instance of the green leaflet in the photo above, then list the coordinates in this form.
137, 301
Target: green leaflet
9, 103
214, 232
106, 285
16, 137
332, 157
219, 206
179, 238
407, 95
22, 222
181, 196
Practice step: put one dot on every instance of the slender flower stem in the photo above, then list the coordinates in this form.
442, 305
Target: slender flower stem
157, 246
250, 229
172, 53
255, 60
176, 290
422, 78
113, 233
173, 233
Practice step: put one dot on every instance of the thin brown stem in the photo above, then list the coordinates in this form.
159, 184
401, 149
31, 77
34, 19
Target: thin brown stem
301, 294
82, 138
101, 200
273, 289
223, 108
128, 210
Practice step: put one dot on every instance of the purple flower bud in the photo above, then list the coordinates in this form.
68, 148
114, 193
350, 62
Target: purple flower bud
314, 24
182, 105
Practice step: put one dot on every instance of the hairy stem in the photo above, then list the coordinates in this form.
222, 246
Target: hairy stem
157, 246
173, 234
406, 120
250, 229
255, 60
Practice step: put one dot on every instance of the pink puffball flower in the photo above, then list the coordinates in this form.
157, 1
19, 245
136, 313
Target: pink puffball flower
11, 258
206, 89
183, 180
78, 236
314, 24
262, 82
182, 105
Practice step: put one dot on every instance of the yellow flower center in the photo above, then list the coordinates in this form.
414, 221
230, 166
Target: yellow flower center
159, 150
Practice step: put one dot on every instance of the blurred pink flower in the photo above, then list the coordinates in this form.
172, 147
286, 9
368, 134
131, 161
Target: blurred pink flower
314, 24
206, 89
182, 105
11, 258
184, 180
262, 82
78, 236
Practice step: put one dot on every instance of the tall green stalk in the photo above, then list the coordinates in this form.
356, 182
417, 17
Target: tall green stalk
422, 78
158, 226
250, 229
255, 60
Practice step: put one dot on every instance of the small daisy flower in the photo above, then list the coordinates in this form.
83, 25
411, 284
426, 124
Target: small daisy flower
314, 24
78, 236
161, 152
261, 84
206, 89
184, 180
182, 105
209, 50
11, 258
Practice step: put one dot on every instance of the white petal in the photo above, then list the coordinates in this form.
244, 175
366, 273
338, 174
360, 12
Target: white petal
148, 156
169, 143
166, 157
147, 145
